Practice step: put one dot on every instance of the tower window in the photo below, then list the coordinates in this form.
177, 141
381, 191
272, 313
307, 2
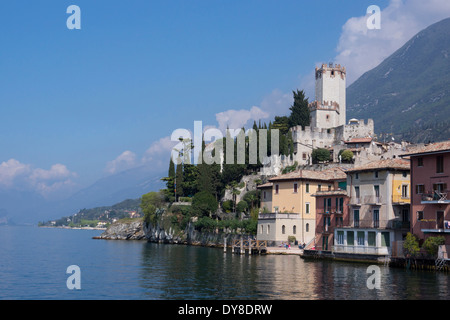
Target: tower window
332, 73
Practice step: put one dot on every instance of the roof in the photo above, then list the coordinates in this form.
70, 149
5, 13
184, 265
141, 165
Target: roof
359, 140
265, 185
394, 164
330, 193
325, 175
437, 147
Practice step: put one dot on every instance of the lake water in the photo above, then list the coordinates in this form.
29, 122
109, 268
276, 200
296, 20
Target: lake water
34, 261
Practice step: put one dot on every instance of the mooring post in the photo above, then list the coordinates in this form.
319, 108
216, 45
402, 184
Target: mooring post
224, 244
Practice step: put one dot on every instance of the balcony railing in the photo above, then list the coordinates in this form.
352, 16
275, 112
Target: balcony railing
435, 197
278, 215
400, 199
331, 210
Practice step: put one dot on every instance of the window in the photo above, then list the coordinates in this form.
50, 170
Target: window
405, 191
376, 218
307, 207
304, 156
319, 187
307, 227
339, 222
277, 187
371, 238
350, 238
283, 229
377, 191
295, 187
420, 188
294, 229
341, 205
340, 237
376, 174
420, 162
262, 229
329, 187
439, 164
439, 187
385, 239
419, 215
357, 192
264, 195
357, 175
361, 237
405, 174
356, 218
307, 188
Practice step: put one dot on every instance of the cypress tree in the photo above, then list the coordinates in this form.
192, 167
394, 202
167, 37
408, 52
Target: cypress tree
300, 115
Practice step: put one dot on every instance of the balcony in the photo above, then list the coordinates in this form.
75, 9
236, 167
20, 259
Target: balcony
432, 226
436, 197
373, 200
400, 200
371, 224
355, 201
278, 215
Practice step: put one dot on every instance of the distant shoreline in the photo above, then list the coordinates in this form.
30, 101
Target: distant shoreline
74, 228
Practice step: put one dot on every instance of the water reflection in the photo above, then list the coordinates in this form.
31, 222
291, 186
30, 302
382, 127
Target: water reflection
185, 272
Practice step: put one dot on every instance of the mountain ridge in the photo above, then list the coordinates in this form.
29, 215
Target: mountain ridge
407, 94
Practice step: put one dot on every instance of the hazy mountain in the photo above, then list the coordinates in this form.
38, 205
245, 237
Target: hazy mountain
29, 207
408, 94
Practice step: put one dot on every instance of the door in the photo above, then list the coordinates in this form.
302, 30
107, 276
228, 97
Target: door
440, 219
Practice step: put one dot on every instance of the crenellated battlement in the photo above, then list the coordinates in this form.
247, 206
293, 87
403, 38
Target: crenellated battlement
333, 69
325, 105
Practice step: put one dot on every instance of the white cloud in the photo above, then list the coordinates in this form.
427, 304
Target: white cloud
125, 160
12, 170
48, 183
235, 119
361, 50
158, 154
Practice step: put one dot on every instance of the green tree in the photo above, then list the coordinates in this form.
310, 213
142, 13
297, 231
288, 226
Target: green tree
346, 156
179, 180
151, 205
242, 206
204, 204
300, 114
431, 245
411, 246
320, 155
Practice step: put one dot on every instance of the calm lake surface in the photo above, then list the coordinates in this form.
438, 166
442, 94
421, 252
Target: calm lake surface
33, 264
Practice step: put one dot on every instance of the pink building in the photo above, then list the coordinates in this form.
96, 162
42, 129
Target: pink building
331, 213
430, 181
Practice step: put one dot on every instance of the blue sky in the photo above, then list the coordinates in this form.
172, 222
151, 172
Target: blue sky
105, 98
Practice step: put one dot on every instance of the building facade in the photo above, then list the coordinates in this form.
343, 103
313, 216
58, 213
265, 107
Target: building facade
430, 181
293, 206
379, 200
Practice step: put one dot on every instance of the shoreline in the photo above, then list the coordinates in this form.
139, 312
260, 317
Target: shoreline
74, 228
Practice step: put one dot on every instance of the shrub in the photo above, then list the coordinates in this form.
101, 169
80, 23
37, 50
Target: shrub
320, 155
411, 245
242, 206
431, 245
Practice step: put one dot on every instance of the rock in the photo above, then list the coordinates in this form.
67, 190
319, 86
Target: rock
124, 230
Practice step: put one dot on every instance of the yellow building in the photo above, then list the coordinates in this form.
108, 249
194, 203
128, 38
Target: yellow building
290, 207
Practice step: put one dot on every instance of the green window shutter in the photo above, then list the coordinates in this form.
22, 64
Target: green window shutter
350, 238
371, 236
385, 239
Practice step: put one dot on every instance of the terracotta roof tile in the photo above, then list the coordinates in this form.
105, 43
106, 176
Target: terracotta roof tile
429, 148
399, 164
326, 175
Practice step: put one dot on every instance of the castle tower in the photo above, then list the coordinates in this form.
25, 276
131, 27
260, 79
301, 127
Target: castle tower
328, 110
